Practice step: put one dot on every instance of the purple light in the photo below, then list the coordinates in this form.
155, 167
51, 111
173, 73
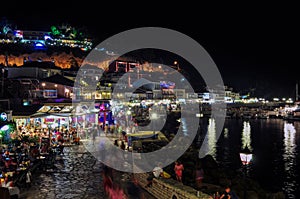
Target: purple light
167, 85
4, 128
102, 108
59, 100
47, 37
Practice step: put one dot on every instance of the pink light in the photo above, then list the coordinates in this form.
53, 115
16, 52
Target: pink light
102, 108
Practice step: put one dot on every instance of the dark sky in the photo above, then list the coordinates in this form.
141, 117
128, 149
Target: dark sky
254, 46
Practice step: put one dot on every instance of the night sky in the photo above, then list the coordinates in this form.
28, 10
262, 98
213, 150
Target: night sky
254, 46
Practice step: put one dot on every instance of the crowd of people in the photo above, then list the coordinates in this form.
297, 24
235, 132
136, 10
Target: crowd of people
16, 163
26, 151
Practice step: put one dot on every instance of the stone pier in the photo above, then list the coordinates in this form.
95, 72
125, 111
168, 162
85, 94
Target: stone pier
170, 189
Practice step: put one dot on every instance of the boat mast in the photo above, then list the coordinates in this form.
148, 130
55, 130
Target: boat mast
296, 92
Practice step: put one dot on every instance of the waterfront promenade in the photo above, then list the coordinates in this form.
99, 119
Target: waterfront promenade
77, 174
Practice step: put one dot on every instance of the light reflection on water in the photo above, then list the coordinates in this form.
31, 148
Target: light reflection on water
211, 137
225, 133
246, 135
289, 157
274, 146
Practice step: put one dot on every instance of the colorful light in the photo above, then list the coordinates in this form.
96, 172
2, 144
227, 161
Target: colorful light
3, 116
39, 45
19, 34
46, 37
4, 128
246, 156
102, 108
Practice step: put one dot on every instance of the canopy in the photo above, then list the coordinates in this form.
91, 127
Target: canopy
57, 110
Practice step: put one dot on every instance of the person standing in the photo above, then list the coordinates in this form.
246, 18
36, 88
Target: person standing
178, 168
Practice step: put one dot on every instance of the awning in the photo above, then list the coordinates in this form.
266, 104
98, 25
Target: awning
61, 114
39, 114
56, 111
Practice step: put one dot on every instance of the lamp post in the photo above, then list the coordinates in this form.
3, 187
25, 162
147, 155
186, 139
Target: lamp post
153, 117
176, 64
246, 157
43, 85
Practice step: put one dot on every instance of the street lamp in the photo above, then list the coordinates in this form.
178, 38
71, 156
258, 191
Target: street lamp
176, 64
43, 85
246, 157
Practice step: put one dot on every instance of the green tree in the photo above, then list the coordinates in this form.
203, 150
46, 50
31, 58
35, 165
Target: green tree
54, 31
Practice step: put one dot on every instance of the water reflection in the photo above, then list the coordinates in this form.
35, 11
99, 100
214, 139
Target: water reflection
289, 157
246, 135
211, 137
184, 126
226, 133
274, 143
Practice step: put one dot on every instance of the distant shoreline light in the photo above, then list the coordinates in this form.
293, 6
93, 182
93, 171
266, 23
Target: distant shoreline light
47, 38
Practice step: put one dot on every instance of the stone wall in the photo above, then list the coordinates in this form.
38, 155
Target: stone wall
168, 188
